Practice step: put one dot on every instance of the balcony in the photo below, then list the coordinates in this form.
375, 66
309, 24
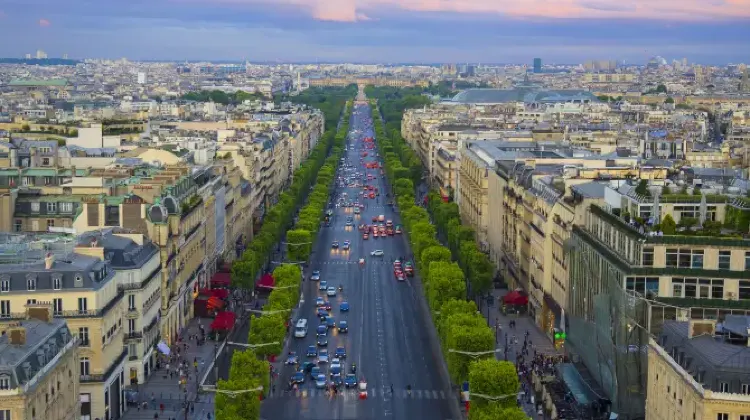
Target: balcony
92, 313
94, 378
135, 285
132, 313
130, 336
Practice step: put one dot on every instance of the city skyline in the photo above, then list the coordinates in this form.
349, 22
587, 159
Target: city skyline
375, 30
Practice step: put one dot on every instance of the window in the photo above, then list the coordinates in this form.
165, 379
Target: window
85, 400
722, 416
31, 301
4, 308
57, 307
4, 382
643, 285
131, 302
744, 416
747, 260
27, 181
51, 208
50, 223
57, 283
684, 258
18, 225
66, 207
746, 390
723, 387
700, 288
5, 286
112, 215
35, 207
131, 326
677, 290
85, 366
83, 305
5, 415
48, 180
648, 257
31, 284
725, 258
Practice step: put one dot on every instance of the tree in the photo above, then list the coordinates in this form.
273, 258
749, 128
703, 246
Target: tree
444, 282
669, 100
244, 271
268, 328
642, 188
25, 127
299, 243
431, 254
494, 411
246, 372
668, 225
494, 378
477, 337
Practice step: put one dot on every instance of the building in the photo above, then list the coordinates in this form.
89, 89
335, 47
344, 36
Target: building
39, 368
141, 78
135, 260
699, 369
600, 65
83, 291
537, 65
622, 264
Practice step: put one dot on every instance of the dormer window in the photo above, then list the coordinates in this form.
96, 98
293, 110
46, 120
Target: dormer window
41, 357
57, 281
79, 280
4, 381
4, 284
31, 282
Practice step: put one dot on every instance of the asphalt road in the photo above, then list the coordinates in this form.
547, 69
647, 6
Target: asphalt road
386, 337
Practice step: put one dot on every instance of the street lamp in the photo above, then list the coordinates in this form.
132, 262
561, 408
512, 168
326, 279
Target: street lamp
496, 397
268, 312
474, 354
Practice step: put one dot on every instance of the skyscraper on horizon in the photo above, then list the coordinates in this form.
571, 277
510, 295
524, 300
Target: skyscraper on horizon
537, 65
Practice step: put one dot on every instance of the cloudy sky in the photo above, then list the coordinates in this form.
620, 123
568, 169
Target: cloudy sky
485, 31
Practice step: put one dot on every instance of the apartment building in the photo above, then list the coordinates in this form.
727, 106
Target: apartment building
135, 260
622, 261
698, 371
39, 368
83, 291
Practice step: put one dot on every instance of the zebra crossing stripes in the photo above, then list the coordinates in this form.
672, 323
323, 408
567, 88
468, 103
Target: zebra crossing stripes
348, 394
347, 262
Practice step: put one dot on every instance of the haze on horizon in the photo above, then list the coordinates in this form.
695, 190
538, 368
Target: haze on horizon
565, 31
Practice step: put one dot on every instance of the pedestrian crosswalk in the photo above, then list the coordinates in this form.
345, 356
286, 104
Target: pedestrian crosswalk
346, 262
385, 393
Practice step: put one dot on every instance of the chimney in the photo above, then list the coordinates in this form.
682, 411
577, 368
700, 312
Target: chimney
49, 261
17, 335
40, 311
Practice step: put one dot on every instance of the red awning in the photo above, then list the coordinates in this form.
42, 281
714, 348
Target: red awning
515, 298
266, 281
217, 293
221, 280
214, 303
223, 321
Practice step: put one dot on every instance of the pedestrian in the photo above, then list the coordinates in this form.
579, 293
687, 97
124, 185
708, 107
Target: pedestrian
161, 407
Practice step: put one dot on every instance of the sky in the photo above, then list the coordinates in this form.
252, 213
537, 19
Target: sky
382, 31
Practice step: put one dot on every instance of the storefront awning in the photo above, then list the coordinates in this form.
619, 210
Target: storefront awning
221, 280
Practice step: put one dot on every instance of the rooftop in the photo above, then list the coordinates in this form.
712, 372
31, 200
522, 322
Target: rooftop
528, 95
38, 83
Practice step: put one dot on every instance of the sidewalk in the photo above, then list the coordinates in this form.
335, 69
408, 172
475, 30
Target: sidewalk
166, 390
505, 337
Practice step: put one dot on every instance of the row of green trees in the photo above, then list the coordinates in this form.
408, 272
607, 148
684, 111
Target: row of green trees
221, 97
327, 99
249, 373
444, 272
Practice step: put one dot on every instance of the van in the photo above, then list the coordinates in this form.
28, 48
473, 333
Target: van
300, 329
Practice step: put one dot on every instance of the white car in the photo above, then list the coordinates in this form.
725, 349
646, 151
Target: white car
323, 285
323, 356
377, 253
331, 291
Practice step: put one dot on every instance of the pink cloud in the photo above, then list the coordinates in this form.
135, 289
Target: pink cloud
44, 23
360, 10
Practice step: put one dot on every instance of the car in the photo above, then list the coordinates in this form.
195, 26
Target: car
335, 365
374, 218
315, 371
356, 210
340, 352
350, 381
322, 312
323, 356
322, 329
365, 236
330, 322
322, 341
349, 222
343, 327
398, 229
297, 378
377, 253
346, 246
336, 379
315, 276
375, 234
312, 351
400, 276
327, 305
335, 244
307, 367
344, 306
320, 302
323, 285
292, 358
320, 381
331, 291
